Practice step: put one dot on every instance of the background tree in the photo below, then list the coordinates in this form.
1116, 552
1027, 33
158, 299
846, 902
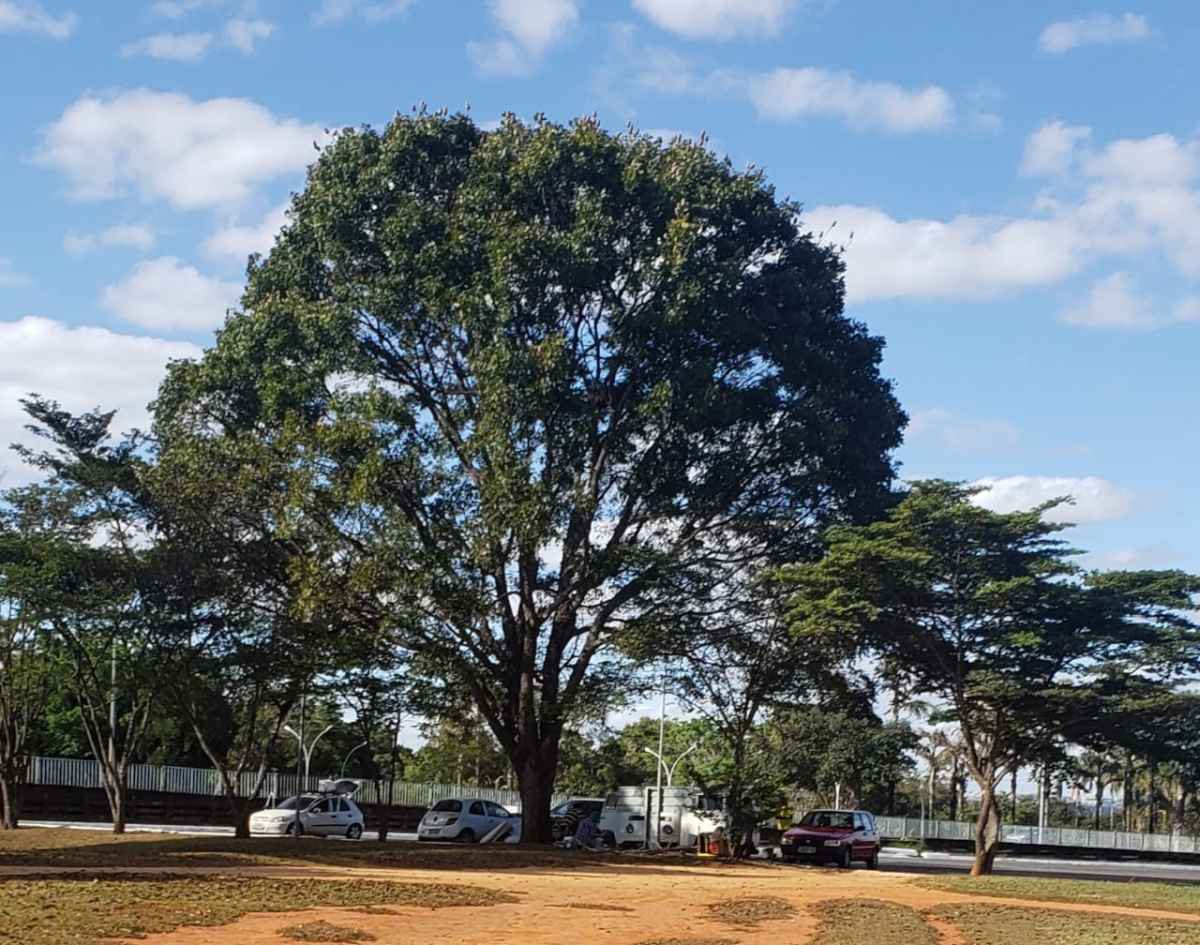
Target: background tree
30, 663
547, 382
992, 618
106, 584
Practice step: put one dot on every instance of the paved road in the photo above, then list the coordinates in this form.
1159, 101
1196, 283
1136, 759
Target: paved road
1125, 870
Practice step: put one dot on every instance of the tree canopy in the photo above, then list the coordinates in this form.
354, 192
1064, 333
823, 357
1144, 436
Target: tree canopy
543, 385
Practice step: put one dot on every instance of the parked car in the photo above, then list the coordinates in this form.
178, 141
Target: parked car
566, 817
467, 820
322, 815
837, 836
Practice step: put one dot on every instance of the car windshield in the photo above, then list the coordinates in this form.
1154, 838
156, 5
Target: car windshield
290, 803
828, 818
448, 807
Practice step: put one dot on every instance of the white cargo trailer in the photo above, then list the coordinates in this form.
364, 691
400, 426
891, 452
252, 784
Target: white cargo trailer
665, 817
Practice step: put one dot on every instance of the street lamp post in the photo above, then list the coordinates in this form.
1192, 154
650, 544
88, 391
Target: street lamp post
663, 767
306, 754
346, 760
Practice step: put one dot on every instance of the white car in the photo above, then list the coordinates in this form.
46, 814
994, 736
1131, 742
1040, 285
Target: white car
466, 820
321, 815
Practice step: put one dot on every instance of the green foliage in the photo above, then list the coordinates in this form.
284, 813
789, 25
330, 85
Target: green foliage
987, 614
540, 386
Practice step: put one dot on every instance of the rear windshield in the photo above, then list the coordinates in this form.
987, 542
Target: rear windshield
290, 803
448, 807
828, 818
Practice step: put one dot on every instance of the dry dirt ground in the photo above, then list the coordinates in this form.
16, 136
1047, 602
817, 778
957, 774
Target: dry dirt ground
615, 903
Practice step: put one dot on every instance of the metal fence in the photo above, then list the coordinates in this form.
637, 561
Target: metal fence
170, 779
915, 828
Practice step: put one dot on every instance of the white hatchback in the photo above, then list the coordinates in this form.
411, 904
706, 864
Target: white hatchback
466, 820
321, 815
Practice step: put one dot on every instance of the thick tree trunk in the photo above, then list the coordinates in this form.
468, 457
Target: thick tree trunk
1153, 800
1099, 798
10, 802
536, 777
1016, 806
987, 833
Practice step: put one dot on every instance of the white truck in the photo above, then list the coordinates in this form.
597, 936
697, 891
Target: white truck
662, 817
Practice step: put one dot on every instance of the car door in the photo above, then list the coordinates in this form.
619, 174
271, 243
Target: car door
479, 820
321, 818
497, 814
863, 845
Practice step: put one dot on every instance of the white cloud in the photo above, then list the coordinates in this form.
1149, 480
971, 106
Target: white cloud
1053, 149
134, 235
165, 294
528, 29
238, 242
10, 278
176, 47
789, 94
1115, 302
244, 35
81, 367
965, 257
948, 430
28, 17
1098, 29
717, 19
168, 146
178, 9
337, 11
1095, 499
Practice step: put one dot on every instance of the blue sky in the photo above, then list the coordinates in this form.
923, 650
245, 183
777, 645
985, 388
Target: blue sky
1022, 182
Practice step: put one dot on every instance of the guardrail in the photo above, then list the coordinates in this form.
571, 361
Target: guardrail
206, 782
915, 828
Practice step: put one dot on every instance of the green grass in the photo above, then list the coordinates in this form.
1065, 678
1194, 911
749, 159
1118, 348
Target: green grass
325, 932
984, 924
749, 912
860, 921
1164, 896
84, 910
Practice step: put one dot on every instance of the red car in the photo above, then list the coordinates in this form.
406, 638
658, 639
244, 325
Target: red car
837, 836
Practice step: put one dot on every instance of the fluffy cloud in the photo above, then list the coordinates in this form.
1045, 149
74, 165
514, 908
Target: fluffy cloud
243, 35
528, 29
1126, 197
795, 94
10, 278
1093, 499
1052, 149
82, 368
337, 11
717, 19
165, 294
1098, 29
28, 17
947, 429
789, 94
178, 9
1115, 302
168, 146
134, 235
238, 242
965, 257
176, 47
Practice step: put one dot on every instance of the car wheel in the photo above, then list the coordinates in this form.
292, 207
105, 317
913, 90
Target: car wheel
845, 858
294, 828
466, 835
873, 862
354, 832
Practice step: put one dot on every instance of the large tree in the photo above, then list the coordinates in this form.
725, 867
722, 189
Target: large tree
545, 383
992, 619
